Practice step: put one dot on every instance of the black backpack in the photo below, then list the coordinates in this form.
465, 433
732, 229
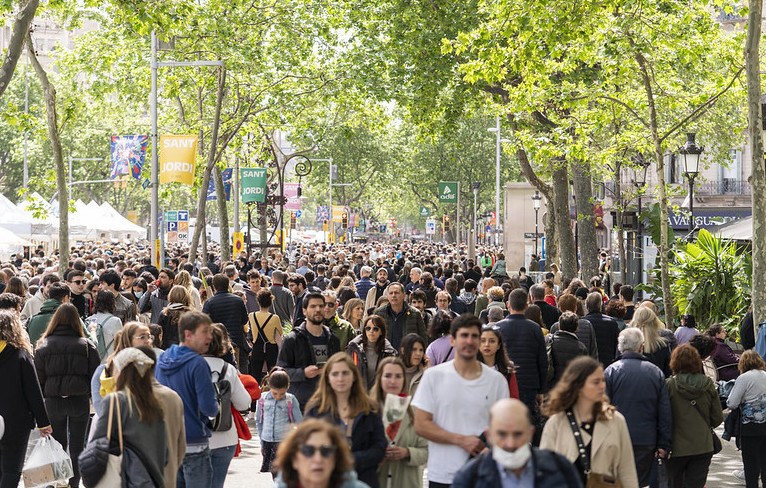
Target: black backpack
222, 421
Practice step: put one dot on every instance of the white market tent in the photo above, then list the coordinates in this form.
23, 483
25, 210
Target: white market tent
121, 224
11, 243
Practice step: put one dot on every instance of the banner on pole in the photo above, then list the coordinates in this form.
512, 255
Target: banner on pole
448, 191
337, 212
291, 192
323, 214
128, 154
253, 184
178, 159
226, 186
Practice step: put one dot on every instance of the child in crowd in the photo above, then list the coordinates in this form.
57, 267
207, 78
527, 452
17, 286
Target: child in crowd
275, 414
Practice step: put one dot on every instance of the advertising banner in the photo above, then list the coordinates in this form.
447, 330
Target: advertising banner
226, 185
448, 191
291, 192
177, 159
128, 154
253, 183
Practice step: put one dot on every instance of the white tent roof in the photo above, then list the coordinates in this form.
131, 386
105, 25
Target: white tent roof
120, 222
8, 238
738, 230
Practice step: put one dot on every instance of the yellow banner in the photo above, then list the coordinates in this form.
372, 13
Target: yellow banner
177, 159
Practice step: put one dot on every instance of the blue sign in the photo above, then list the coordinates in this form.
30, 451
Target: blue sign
298, 213
705, 219
172, 226
226, 186
145, 184
183, 216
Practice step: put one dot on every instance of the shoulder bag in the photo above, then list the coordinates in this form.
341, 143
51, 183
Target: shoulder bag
100, 465
717, 446
594, 480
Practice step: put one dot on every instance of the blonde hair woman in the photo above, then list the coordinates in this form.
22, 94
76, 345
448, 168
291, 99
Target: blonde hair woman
183, 278
656, 349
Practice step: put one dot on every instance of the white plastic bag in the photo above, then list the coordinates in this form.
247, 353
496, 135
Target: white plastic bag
47, 464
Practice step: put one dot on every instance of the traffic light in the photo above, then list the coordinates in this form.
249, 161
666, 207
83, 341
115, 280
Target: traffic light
292, 220
446, 223
344, 220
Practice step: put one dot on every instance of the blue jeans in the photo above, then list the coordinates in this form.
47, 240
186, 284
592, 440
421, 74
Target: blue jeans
220, 459
197, 469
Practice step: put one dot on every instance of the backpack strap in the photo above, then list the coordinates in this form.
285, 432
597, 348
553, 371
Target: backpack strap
290, 410
260, 406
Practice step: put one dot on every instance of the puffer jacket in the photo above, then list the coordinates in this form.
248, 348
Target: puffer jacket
65, 363
355, 349
691, 431
564, 347
551, 470
525, 345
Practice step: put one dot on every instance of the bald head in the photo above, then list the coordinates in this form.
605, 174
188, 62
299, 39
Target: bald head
509, 426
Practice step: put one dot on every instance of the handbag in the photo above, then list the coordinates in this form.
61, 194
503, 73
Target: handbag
100, 464
717, 446
593, 480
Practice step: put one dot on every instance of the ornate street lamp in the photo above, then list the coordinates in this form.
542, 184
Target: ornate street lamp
691, 153
536, 202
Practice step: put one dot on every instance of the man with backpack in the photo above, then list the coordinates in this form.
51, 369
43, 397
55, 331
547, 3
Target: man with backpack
182, 369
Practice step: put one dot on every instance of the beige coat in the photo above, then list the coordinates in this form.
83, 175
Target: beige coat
406, 473
611, 449
173, 409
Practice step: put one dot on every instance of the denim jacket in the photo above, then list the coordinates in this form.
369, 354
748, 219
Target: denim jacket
272, 417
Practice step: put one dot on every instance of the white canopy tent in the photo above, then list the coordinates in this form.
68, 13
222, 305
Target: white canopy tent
11, 243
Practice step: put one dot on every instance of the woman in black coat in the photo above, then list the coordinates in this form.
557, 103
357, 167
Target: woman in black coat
23, 405
65, 362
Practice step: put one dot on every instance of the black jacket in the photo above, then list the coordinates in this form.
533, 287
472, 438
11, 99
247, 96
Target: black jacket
23, 405
606, 336
457, 305
65, 363
552, 470
551, 314
228, 309
525, 345
368, 443
296, 353
564, 347
585, 334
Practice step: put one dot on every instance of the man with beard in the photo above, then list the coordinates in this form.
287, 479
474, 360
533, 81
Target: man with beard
377, 291
157, 300
124, 308
306, 349
453, 401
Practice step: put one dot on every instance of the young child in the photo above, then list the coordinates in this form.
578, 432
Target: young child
275, 414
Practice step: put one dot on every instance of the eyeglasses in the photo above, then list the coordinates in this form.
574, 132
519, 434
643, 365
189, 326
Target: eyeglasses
78, 282
145, 337
325, 451
374, 329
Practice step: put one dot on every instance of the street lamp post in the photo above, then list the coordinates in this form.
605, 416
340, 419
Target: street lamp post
536, 202
691, 153
639, 179
498, 140
472, 233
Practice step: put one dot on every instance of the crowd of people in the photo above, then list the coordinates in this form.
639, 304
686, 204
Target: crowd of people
363, 365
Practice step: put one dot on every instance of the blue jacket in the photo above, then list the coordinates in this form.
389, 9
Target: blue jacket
272, 417
525, 345
638, 389
187, 373
228, 309
552, 470
363, 286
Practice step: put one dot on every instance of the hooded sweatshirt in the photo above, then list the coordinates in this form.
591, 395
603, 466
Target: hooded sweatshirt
187, 373
691, 429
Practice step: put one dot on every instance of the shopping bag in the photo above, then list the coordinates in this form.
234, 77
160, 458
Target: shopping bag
47, 464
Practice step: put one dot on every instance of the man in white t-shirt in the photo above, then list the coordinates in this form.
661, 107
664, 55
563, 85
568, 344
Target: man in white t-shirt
452, 403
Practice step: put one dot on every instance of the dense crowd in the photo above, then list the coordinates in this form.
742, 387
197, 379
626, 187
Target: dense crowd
363, 365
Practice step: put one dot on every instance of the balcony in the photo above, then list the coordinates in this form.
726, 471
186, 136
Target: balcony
724, 187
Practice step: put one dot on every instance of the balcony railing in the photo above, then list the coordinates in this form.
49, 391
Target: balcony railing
724, 187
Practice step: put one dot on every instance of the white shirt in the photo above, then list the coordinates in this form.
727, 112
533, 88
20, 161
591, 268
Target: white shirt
240, 398
458, 405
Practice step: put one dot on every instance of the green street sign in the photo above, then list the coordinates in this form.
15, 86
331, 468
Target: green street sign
448, 191
171, 215
253, 183
424, 212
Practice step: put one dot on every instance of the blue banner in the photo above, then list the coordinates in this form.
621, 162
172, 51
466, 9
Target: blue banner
128, 154
226, 186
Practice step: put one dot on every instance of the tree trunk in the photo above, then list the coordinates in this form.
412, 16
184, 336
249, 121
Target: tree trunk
211, 159
758, 179
204, 236
551, 237
223, 215
586, 219
667, 297
16, 45
49, 95
567, 250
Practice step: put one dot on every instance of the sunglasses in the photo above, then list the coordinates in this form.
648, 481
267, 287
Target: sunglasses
374, 329
330, 304
78, 282
325, 451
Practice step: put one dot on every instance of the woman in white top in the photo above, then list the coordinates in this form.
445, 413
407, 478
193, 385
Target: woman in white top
224, 443
183, 278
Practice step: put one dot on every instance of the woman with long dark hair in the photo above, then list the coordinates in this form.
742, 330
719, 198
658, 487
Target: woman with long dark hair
440, 349
492, 353
584, 428
179, 302
341, 399
413, 353
724, 358
24, 406
66, 360
369, 348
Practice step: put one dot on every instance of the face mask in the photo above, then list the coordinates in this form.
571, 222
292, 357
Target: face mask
138, 294
511, 460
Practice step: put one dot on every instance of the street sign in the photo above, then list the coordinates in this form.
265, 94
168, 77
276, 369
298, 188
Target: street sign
171, 215
172, 226
448, 191
337, 212
424, 212
531, 235
183, 215
253, 183
431, 226
238, 243
298, 213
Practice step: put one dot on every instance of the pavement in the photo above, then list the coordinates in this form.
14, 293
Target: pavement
244, 471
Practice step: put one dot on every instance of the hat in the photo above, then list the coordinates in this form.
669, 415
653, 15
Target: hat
141, 361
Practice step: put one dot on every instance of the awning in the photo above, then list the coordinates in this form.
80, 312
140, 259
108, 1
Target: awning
738, 230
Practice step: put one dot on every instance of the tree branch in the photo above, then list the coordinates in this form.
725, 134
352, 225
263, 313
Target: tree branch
16, 45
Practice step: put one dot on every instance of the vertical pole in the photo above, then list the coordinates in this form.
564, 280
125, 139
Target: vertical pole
26, 134
472, 233
70, 176
497, 179
640, 278
331, 227
154, 232
235, 195
536, 212
457, 216
691, 209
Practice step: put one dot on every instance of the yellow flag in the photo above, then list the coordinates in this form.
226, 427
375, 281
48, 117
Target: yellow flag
177, 159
